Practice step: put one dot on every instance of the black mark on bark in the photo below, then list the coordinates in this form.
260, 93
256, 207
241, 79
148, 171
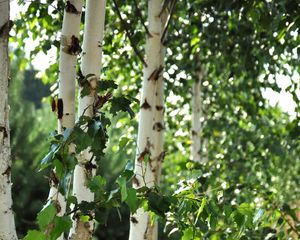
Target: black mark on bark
158, 126
70, 8
156, 73
60, 108
146, 105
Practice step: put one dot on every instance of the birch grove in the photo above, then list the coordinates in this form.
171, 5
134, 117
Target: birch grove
7, 224
151, 126
90, 65
65, 105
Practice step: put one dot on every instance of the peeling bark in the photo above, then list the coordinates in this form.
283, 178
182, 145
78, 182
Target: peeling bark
7, 224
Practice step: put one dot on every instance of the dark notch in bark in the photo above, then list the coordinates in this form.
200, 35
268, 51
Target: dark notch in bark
156, 73
161, 156
89, 166
5, 28
135, 181
159, 108
146, 105
7, 171
3, 129
60, 108
74, 48
70, 8
158, 126
133, 220
56, 205
143, 154
194, 133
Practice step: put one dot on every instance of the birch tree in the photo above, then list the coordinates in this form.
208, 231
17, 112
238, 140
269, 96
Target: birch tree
150, 138
65, 104
7, 224
196, 124
90, 66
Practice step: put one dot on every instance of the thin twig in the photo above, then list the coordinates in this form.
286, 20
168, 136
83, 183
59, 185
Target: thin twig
162, 40
138, 12
123, 23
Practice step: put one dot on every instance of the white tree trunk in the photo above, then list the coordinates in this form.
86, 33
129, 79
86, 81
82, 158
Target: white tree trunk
7, 224
69, 50
91, 64
196, 123
151, 126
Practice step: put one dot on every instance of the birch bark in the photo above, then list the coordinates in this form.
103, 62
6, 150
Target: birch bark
91, 64
69, 50
196, 123
151, 126
7, 224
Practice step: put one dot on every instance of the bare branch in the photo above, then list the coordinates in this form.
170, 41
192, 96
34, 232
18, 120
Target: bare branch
123, 23
138, 12
168, 21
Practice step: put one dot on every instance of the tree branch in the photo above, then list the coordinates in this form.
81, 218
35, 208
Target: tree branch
162, 40
138, 12
123, 23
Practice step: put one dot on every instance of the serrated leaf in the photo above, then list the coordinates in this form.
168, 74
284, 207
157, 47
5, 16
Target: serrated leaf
61, 224
188, 234
46, 216
96, 183
106, 84
121, 104
34, 235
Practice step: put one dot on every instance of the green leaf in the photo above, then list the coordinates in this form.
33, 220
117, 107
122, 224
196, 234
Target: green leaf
158, 204
122, 183
46, 161
46, 216
62, 224
85, 207
121, 104
123, 142
104, 85
84, 218
35, 235
245, 209
188, 234
132, 200
96, 183
200, 210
